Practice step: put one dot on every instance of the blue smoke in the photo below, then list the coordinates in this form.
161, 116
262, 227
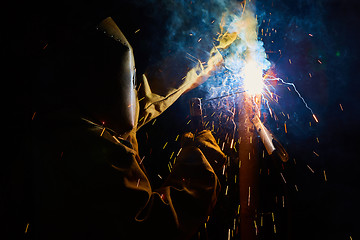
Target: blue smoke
186, 25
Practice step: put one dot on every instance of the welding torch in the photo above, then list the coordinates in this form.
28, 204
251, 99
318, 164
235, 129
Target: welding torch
272, 145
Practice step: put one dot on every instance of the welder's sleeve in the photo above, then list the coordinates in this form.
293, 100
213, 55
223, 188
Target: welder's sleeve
161, 87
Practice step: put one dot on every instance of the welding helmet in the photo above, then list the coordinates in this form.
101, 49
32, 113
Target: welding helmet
100, 72
120, 73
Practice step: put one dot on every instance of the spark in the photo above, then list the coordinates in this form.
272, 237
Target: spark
116, 139
310, 169
138, 182
192, 58
256, 228
138, 89
315, 118
169, 166
283, 178
341, 107
178, 152
232, 143
325, 176
27, 227
102, 132
142, 160
137, 30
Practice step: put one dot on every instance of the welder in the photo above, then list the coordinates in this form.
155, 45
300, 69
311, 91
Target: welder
89, 182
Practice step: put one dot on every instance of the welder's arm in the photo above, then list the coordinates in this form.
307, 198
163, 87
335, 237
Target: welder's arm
160, 88
109, 191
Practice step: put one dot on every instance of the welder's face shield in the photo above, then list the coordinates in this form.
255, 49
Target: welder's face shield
113, 96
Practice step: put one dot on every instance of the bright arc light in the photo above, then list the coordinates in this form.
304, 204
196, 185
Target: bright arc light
253, 79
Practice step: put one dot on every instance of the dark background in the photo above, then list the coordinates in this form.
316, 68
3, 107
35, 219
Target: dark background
320, 209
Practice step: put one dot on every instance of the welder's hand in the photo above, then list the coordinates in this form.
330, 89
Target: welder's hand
206, 142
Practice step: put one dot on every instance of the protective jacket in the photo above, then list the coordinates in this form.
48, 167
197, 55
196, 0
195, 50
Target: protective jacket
89, 183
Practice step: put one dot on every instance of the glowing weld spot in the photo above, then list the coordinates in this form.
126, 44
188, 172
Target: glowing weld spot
253, 79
